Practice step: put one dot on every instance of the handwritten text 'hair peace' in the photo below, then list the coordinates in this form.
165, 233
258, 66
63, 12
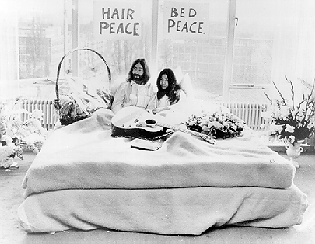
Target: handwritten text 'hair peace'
128, 27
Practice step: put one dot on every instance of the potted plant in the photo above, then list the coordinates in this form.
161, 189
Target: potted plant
292, 121
17, 136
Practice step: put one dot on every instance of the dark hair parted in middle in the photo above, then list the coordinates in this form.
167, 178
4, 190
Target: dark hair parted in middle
172, 91
146, 73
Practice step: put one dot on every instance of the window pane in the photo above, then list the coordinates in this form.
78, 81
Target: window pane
202, 59
28, 30
40, 37
119, 52
270, 41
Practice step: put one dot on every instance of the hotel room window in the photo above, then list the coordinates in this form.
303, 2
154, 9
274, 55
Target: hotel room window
119, 31
273, 39
202, 56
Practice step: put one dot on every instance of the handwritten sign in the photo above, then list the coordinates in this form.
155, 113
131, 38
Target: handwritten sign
185, 20
117, 20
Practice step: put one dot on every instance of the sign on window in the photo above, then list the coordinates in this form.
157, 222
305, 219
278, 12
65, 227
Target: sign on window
116, 20
185, 20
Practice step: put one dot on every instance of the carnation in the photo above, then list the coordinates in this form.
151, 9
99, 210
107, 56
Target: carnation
217, 124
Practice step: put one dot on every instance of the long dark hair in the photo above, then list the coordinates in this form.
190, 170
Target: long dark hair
146, 72
172, 91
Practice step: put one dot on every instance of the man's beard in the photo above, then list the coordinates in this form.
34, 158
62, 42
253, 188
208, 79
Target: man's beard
138, 78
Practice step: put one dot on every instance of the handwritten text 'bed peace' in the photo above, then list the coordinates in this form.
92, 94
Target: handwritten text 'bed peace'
185, 20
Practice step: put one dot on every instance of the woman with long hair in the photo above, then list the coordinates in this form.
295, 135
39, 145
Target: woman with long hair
169, 91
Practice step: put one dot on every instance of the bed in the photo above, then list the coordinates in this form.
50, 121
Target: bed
83, 178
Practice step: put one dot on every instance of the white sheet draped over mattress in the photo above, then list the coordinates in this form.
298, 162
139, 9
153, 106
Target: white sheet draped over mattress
84, 156
85, 179
163, 211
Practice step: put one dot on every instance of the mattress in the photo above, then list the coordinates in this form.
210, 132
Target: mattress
84, 155
163, 211
84, 179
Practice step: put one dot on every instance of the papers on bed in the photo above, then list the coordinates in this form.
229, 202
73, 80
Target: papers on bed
83, 155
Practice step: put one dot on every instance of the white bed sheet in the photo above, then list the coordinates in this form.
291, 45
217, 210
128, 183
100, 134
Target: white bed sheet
85, 156
163, 211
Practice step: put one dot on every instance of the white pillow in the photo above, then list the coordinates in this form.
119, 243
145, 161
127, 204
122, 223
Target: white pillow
184, 81
179, 74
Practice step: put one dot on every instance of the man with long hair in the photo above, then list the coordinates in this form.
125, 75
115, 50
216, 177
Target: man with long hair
137, 90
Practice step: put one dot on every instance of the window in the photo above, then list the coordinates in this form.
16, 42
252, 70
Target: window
271, 43
202, 59
119, 53
272, 39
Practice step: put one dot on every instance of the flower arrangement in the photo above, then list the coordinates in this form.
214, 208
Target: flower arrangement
217, 124
78, 101
290, 121
29, 134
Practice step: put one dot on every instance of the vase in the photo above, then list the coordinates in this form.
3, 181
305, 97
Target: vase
294, 151
311, 141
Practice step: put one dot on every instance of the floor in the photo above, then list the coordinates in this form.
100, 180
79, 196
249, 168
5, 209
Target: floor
10, 233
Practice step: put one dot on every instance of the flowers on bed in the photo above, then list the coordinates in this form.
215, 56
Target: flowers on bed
217, 124
79, 101
292, 121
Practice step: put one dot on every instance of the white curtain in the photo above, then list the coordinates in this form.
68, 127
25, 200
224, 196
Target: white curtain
294, 46
305, 51
9, 50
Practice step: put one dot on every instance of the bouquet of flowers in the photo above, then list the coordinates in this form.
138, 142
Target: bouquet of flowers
29, 134
79, 101
290, 121
216, 124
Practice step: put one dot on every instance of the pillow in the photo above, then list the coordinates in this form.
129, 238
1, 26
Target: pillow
184, 80
179, 74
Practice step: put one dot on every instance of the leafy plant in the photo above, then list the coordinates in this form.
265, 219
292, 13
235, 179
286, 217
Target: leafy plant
292, 121
29, 133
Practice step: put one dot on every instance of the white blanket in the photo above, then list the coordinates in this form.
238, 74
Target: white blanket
85, 179
83, 155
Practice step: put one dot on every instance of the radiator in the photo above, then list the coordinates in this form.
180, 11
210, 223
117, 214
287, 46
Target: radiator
47, 107
250, 113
